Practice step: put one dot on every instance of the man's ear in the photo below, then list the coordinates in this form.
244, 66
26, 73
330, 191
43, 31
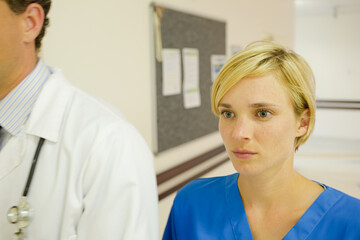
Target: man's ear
33, 19
303, 123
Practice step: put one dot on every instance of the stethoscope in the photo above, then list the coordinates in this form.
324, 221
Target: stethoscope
21, 214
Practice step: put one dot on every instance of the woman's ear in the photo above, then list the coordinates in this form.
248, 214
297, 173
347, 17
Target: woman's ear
33, 19
303, 123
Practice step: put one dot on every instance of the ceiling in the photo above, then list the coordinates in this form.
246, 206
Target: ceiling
334, 7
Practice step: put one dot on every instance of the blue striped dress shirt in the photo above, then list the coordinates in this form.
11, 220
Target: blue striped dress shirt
16, 106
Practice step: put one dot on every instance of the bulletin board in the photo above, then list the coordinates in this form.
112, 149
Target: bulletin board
176, 125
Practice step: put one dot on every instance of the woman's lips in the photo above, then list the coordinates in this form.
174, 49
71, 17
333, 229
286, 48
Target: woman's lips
243, 154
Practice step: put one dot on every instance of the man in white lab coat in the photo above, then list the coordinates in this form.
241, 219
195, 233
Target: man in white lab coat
94, 177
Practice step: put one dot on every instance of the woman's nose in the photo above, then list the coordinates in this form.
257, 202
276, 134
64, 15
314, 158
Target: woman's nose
242, 129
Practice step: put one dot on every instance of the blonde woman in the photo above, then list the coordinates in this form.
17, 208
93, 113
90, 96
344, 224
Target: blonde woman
265, 99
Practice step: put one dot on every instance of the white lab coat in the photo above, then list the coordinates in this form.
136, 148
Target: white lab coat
94, 178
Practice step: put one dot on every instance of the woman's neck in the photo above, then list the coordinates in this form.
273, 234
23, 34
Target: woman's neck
279, 187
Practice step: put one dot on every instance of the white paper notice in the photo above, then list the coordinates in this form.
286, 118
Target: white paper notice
217, 62
171, 71
191, 78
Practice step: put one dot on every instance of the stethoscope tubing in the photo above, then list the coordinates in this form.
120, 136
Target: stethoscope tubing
21, 213
33, 166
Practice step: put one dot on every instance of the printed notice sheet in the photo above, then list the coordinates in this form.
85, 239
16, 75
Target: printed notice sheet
217, 62
191, 89
171, 71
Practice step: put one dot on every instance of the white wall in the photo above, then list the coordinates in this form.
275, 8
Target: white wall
331, 45
105, 49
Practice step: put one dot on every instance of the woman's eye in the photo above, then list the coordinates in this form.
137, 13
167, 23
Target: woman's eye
263, 113
228, 114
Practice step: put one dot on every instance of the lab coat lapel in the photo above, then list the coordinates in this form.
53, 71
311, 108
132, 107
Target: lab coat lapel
48, 113
12, 155
44, 121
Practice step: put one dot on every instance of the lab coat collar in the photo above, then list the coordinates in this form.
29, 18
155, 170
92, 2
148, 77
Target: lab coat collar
48, 113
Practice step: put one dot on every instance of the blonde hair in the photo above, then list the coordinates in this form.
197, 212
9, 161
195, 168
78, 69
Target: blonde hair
263, 57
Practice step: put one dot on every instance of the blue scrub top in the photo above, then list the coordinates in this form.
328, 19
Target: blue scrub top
211, 208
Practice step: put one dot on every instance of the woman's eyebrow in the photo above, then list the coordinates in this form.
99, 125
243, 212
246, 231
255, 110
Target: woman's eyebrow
225, 105
261, 105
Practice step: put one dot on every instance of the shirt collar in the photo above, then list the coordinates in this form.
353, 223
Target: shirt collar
16, 106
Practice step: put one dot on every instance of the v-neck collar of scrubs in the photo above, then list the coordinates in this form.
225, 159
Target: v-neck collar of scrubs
301, 230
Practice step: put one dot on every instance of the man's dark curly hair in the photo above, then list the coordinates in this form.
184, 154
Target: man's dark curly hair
19, 6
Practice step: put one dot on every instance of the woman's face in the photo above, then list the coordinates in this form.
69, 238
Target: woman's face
258, 125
